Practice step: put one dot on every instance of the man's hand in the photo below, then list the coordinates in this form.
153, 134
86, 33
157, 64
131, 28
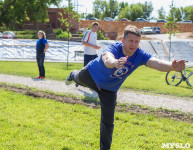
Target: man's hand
165, 66
118, 63
178, 65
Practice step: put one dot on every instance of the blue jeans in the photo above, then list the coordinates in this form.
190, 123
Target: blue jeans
107, 102
40, 61
88, 58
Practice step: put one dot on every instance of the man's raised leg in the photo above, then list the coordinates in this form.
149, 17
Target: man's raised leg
83, 78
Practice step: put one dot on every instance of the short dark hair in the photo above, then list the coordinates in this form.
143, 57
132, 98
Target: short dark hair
131, 30
95, 23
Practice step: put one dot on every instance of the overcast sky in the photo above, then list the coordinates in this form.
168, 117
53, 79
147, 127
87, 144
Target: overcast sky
86, 6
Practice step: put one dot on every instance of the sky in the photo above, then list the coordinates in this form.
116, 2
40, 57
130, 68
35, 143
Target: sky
86, 6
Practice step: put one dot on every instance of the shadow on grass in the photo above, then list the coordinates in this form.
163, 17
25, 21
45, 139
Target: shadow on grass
186, 87
90, 97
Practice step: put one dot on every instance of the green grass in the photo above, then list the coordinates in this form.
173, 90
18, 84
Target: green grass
143, 79
55, 71
36, 123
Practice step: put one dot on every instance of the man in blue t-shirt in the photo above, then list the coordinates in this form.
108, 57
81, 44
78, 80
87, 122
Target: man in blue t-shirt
106, 73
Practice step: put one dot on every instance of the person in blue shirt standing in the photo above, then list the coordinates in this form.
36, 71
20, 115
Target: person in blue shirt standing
106, 74
41, 48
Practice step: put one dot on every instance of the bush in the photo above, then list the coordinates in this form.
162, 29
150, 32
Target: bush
81, 35
2, 29
64, 35
58, 31
100, 36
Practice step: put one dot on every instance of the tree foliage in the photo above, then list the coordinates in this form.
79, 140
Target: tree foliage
89, 16
14, 12
104, 9
171, 24
161, 13
122, 5
68, 22
132, 12
147, 9
188, 12
175, 14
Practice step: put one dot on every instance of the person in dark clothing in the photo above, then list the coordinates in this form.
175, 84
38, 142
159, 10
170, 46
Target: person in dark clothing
106, 73
41, 48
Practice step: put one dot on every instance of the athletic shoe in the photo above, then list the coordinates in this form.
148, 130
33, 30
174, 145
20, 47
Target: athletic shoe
38, 77
41, 77
68, 80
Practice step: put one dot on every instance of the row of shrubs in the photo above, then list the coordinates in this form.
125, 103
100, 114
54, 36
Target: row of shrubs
32, 34
28, 34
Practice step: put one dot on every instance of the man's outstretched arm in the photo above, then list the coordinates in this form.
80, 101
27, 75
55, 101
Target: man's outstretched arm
110, 61
165, 66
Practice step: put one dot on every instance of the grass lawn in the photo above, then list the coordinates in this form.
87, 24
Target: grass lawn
143, 79
36, 123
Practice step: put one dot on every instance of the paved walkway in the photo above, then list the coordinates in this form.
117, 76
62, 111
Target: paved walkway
123, 97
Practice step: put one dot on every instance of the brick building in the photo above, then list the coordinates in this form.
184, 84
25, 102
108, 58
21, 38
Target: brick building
53, 15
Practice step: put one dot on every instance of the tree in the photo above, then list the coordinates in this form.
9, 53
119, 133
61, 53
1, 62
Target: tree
131, 12
5, 7
100, 7
182, 12
136, 11
97, 8
171, 25
147, 9
37, 10
161, 13
14, 12
188, 13
69, 21
104, 9
122, 5
125, 13
114, 8
89, 16
177, 14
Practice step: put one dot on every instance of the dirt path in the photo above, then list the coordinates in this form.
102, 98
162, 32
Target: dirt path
130, 97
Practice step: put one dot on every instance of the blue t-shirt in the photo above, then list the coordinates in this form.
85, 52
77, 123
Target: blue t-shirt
40, 45
112, 78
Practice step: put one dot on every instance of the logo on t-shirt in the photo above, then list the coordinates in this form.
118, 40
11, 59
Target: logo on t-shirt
121, 71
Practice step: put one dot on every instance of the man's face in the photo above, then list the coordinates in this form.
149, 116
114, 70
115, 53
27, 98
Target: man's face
130, 44
95, 28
